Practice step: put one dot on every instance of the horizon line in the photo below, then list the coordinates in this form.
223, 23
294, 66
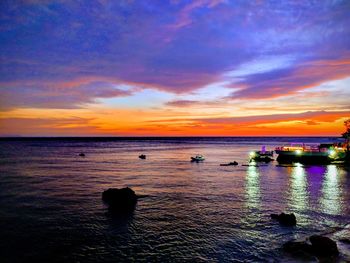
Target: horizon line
186, 136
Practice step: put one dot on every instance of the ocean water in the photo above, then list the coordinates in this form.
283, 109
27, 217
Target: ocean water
51, 208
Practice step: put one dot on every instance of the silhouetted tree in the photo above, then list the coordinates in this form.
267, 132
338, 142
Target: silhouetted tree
346, 134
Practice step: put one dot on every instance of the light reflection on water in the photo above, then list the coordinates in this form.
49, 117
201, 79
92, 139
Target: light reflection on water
50, 200
299, 196
253, 196
330, 200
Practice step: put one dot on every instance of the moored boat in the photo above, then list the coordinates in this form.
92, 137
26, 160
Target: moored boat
310, 153
197, 158
261, 156
234, 163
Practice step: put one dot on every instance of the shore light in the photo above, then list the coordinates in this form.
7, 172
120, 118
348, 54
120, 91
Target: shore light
298, 152
252, 154
331, 153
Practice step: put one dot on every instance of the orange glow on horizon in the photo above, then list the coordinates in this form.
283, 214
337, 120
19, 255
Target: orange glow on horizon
122, 122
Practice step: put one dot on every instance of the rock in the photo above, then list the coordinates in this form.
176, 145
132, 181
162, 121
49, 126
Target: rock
123, 200
345, 240
298, 248
323, 246
82, 154
285, 219
274, 216
142, 156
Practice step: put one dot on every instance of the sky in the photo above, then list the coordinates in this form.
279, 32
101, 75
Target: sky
174, 68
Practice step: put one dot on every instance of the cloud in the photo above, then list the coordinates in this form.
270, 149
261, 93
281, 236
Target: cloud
58, 95
311, 117
42, 126
170, 46
282, 82
325, 116
184, 18
182, 103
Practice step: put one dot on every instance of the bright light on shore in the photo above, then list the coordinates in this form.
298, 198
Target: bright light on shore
252, 154
332, 153
298, 152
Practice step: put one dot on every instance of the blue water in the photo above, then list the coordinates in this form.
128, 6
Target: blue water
51, 208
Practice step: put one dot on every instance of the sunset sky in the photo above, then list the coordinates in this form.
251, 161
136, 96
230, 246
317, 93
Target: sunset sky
174, 68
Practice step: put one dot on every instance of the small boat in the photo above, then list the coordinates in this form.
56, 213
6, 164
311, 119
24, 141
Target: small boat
197, 158
229, 164
142, 156
82, 154
261, 156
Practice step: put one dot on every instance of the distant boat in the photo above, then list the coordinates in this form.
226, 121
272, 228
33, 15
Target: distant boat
261, 156
197, 158
82, 154
142, 156
311, 153
234, 163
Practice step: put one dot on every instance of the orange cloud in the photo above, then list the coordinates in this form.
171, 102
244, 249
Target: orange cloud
101, 122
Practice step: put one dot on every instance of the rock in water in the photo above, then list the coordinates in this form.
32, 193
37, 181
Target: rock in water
324, 246
297, 248
345, 240
285, 219
123, 200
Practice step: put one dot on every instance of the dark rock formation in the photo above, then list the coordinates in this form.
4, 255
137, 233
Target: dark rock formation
120, 200
285, 219
298, 248
82, 154
142, 156
345, 240
323, 246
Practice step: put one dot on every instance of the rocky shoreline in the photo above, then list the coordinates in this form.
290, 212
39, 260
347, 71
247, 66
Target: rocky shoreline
331, 246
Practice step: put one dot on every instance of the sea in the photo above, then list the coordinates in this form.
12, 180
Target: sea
51, 208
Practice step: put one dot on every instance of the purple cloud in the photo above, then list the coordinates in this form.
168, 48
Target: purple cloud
182, 103
68, 95
173, 46
287, 81
310, 117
